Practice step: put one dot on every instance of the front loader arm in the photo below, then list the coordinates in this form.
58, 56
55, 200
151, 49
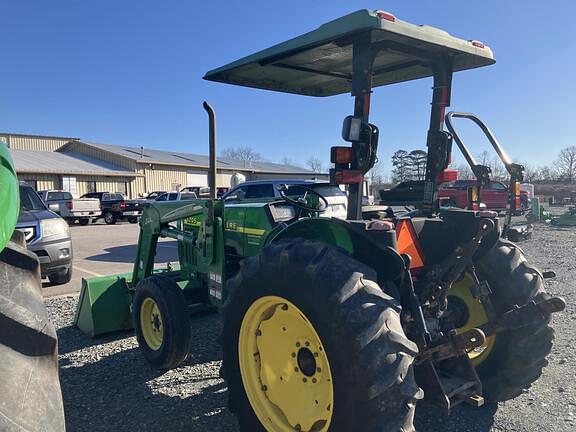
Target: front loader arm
155, 223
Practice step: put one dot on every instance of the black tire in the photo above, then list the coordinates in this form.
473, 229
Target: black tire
110, 218
359, 325
84, 222
30, 396
61, 278
171, 303
133, 220
518, 356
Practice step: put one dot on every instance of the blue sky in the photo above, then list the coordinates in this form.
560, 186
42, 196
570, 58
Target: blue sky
129, 72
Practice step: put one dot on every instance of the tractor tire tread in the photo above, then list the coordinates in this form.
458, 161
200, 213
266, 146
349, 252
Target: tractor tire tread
30, 394
177, 332
518, 356
380, 391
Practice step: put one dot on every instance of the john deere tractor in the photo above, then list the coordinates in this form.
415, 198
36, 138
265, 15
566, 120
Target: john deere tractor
340, 324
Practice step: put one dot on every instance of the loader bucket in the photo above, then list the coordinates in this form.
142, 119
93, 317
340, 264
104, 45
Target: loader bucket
104, 305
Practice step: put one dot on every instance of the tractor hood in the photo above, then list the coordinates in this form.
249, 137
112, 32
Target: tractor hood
319, 63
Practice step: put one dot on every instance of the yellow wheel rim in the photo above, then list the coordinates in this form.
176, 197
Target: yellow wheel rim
284, 368
475, 316
151, 324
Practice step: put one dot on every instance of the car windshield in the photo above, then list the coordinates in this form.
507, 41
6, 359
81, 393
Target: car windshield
328, 190
29, 200
187, 196
458, 184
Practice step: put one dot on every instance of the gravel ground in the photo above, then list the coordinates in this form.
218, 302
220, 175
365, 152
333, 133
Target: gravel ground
107, 386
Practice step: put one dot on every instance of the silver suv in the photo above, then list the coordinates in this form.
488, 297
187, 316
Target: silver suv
47, 235
258, 190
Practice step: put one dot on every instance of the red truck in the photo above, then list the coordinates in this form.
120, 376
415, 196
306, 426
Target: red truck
494, 194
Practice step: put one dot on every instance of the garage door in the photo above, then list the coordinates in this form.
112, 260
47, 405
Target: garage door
196, 178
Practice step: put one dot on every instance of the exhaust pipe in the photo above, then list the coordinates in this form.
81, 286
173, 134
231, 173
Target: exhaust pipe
212, 141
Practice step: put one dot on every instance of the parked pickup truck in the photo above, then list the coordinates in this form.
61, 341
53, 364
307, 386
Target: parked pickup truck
71, 209
115, 207
494, 195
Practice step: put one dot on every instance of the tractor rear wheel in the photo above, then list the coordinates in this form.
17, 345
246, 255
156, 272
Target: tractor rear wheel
161, 322
311, 343
30, 396
509, 361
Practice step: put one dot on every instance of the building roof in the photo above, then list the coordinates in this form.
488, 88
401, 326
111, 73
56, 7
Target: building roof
164, 157
64, 163
37, 136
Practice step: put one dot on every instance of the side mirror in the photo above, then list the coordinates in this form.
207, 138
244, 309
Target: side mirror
351, 128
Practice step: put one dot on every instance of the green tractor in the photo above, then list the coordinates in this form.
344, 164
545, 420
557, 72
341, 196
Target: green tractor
334, 324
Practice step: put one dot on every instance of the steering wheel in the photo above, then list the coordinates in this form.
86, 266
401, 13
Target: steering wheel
302, 202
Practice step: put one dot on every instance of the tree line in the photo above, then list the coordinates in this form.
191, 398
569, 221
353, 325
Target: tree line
408, 165
563, 170
411, 165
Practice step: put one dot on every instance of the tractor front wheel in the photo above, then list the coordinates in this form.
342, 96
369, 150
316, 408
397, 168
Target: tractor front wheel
161, 322
311, 343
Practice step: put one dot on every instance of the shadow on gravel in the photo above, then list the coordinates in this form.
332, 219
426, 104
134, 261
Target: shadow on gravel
112, 388
71, 339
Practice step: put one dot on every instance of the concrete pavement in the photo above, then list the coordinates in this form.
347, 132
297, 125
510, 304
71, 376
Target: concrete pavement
101, 250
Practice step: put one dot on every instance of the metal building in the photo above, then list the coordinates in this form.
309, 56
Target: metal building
81, 166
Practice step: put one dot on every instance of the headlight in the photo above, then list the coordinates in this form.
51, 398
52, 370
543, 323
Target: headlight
53, 226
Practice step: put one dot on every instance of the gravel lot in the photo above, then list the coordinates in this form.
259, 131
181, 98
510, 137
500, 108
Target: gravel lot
107, 386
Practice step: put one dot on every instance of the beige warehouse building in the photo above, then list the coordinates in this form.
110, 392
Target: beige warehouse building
80, 166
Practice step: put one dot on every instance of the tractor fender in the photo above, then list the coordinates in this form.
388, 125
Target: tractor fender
375, 248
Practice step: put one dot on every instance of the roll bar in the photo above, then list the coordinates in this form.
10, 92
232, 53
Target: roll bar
515, 170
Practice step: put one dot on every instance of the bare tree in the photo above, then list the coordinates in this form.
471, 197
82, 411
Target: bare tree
567, 163
376, 176
530, 173
464, 172
286, 161
243, 153
494, 163
314, 164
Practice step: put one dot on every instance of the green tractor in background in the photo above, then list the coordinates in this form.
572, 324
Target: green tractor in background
331, 324
30, 396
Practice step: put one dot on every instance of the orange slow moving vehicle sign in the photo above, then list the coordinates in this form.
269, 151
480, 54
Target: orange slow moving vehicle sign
408, 244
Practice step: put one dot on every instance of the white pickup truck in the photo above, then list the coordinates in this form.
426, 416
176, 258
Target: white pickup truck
71, 209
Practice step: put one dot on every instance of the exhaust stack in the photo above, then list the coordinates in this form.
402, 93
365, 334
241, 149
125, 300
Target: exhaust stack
212, 141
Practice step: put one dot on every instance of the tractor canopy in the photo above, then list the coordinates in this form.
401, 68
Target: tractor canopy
9, 196
320, 63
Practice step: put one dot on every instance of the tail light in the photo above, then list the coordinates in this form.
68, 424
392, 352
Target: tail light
122, 205
473, 198
517, 195
69, 205
477, 44
346, 176
386, 16
341, 155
